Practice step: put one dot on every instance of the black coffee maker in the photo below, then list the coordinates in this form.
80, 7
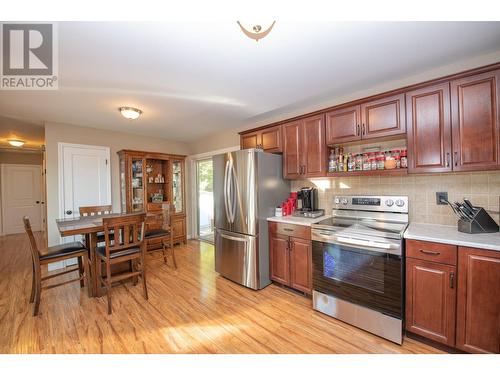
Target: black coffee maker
309, 198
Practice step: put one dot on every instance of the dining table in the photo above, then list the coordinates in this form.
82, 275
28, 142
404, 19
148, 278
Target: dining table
89, 227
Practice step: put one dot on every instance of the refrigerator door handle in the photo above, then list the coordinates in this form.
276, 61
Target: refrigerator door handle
234, 192
226, 192
233, 238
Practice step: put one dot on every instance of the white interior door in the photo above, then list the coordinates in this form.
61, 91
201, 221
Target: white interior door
21, 196
84, 176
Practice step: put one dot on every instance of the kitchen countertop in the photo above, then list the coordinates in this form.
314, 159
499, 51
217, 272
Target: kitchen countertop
297, 220
450, 235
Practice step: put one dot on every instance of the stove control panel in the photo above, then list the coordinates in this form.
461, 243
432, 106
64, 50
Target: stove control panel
372, 203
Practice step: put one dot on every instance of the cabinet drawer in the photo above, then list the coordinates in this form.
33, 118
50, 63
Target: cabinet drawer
292, 230
430, 251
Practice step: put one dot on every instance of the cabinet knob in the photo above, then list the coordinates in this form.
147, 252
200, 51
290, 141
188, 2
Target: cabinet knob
452, 280
69, 212
363, 129
357, 129
455, 158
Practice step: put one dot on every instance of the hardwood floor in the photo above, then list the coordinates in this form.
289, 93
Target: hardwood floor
191, 310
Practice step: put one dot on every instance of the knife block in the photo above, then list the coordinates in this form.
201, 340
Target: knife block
482, 222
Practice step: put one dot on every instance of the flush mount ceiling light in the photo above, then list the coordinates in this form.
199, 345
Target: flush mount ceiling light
257, 31
16, 142
130, 113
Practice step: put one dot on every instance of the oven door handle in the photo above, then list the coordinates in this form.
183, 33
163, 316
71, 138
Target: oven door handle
352, 241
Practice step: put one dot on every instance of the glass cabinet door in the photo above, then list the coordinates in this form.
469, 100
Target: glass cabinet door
177, 188
137, 195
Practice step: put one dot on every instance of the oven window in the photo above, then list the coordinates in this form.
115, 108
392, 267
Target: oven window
357, 267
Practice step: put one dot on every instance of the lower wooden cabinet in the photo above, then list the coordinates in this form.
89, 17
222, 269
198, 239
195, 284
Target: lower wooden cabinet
430, 300
300, 264
478, 302
291, 257
453, 295
179, 228
279, 259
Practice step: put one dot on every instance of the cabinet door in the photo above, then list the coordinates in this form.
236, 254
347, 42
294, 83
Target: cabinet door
279, 259
430, 300
300, 265
478, 304
292, 166
475, 121
383, 117
271, 139
343, 125
179, 228
313, 147
251, 140
178, 186
429, 129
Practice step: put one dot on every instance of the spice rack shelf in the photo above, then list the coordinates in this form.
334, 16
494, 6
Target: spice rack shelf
378, 172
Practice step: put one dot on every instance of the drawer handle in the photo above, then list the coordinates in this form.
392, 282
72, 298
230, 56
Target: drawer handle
288, 229
429, 252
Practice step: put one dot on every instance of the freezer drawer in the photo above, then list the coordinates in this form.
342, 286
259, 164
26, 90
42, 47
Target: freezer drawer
236, 258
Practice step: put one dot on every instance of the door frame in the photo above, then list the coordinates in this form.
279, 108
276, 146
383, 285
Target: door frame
60, 169
193, 189
2, 194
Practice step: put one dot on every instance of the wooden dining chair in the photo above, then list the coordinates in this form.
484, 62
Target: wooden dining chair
164, 234
54, 254
96, 211
124, 242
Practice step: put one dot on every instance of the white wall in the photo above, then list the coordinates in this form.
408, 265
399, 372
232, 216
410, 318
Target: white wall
55, 133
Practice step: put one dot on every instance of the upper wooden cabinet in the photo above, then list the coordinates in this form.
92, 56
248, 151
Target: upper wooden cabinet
429, 129
304, 148
383, 117
475, 121
373, 119
478, 301
343, 125
268, 139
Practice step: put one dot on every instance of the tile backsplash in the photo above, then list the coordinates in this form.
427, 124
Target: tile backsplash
481, 188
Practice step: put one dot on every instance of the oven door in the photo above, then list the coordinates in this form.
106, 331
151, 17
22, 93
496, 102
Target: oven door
362, 271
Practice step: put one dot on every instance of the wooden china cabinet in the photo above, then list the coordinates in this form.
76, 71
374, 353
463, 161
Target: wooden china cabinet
149, 179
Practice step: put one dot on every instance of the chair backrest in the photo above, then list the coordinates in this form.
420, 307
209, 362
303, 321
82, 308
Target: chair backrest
123, 232
166, 209
96, 210
35, 254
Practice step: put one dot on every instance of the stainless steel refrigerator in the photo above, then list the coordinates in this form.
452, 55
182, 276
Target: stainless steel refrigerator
248, 185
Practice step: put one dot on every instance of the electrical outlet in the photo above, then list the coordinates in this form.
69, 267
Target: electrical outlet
441, 195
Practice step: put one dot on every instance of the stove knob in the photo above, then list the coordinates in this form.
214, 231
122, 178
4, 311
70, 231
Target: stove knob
337, 200
345, 201
389, 202
400, 203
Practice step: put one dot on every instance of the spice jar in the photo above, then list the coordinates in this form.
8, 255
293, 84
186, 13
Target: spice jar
359, 162
373, 162
404, 158
380, 162
397, 158
366, 163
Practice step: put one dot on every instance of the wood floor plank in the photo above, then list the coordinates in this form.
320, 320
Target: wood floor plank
190, 310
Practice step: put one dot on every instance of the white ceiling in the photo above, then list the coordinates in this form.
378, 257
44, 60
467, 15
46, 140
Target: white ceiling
195, 79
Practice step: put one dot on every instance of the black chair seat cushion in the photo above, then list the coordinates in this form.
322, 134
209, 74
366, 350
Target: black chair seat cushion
156, 233
101, 238
101, 250
61, 250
